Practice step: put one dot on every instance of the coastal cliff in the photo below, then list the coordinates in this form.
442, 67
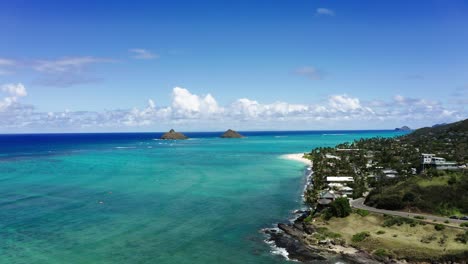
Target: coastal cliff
231, 134
172, 134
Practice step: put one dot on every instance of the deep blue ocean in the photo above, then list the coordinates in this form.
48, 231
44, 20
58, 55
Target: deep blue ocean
132, 198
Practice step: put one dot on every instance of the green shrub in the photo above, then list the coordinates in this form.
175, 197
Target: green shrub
359, 237
390, 202
340, 207
428, 238
464, 224
446, 221
397, 220
462, 238
420, 217
362, 212
381, 252
439, 227
327, 214
327, 233
380, 232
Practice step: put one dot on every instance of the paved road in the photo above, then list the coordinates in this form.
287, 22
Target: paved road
359, 203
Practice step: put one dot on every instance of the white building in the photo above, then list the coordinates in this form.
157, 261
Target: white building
437, 162
340, 179
426, 158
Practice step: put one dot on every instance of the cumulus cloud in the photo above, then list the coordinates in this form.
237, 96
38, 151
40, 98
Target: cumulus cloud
200, 111
344, 103
188, 105
16, 90
143, 54
324, 12
13, 91
310, 72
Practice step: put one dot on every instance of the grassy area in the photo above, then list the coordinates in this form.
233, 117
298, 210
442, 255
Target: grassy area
434, 181
415, 241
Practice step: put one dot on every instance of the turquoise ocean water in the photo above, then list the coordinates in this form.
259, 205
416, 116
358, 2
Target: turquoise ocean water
130, 198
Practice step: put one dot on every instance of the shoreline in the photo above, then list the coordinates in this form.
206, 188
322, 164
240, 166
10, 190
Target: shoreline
297, 157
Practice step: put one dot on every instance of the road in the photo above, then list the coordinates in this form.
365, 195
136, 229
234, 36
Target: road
359, 203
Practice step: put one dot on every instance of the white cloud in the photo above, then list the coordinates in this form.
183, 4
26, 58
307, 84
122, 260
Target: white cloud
344, 103
67, 64
151, 103
199, 111
6, 65
6, 62
16, 90
324, 12
311, 73
5, 72
143, 54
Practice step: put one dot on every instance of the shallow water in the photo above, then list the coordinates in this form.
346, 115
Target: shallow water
128, 198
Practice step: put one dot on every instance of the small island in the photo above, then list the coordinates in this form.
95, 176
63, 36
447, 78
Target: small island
231, 134
172, 134
403, 128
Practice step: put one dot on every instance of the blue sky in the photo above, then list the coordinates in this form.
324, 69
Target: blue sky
209, 65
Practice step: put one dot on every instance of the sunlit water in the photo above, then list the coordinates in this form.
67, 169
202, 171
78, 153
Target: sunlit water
129, 198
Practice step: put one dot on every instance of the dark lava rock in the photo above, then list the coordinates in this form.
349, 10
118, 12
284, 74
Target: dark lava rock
231, 134
173, 135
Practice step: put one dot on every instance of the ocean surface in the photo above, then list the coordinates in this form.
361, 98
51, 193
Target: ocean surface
131, 198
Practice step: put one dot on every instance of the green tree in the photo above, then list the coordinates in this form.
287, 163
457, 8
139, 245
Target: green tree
340, 207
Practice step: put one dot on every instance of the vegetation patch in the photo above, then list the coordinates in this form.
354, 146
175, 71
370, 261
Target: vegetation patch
362, 212
439, 227
382, 253
462, 238
397, 220
361, 236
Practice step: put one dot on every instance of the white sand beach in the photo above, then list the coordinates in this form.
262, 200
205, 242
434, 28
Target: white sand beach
297, 157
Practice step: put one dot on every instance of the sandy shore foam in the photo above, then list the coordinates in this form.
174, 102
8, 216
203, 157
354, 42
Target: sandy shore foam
297, 157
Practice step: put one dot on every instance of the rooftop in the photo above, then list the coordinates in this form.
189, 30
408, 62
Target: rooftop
340, 179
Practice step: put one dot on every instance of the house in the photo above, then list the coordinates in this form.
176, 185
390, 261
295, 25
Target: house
329, 156
389, 173
426, 158
430, 160
347, 191
326, 197
340, 179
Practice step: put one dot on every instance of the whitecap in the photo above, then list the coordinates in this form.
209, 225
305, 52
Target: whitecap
277, 250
